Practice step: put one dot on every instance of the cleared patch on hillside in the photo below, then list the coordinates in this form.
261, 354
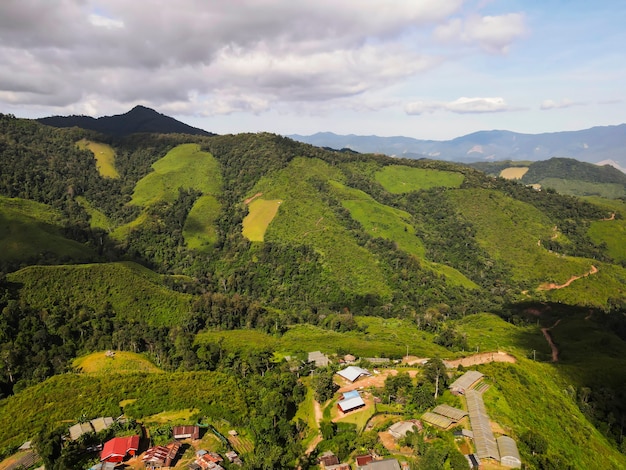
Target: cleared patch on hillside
104, 155
173, 416
511, 231
31, 231
611, 232
199, 229
97, 219
132, 291
399, 179
116, 362
514, 172
306, 219
260, 213
122, 232
584, 188
185, 166
393, 224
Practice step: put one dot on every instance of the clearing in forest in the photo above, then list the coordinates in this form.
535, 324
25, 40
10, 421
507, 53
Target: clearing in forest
514, 172
106, 362
199, 231
399, 179
104, 155
261, 213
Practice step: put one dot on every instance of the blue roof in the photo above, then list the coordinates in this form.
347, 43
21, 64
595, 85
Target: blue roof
351, 394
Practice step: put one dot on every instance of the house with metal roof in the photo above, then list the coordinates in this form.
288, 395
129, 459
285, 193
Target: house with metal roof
448, 411
351, 401
509, 455
186, 432
353, 373
435, 419
320, 359
116, 449
484, 440
385, 464
401, 428
461, 385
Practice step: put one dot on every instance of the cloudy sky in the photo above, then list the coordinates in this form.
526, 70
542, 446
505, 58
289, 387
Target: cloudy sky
432, 69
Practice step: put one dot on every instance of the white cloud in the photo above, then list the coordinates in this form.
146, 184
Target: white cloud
564, 103
461, 105
494, 34
104, 22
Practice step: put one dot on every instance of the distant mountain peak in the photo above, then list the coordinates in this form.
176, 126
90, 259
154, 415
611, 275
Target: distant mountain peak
139, 119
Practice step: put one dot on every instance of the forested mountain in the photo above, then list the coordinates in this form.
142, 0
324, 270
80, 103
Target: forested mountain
218, 255
589, 145
138, 119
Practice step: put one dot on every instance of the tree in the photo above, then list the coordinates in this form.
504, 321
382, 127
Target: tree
435, 373
323, 386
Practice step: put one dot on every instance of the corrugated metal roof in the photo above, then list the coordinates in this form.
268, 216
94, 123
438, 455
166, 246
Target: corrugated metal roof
450, 412
464, 382
386, 464
399, 429
351, 403
484, 440
351, 394
509, 455
436, 420
100, 424
352, 373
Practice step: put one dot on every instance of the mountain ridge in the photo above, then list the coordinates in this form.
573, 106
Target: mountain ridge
592, 145
139, 119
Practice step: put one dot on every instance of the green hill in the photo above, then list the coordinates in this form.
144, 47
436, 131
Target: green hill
31, 232
134, 292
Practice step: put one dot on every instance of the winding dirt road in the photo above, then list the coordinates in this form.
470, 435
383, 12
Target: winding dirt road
546, 334
552, 285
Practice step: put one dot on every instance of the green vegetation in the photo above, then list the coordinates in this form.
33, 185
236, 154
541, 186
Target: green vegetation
612, 233
199, 231
399, 179
185, 166
33, 232
120, 362
584, 188
104, 155
261, 213
97, 219
132, 291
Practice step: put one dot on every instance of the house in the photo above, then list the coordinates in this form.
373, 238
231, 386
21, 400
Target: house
353, 373
461, 385
349, 358
161, 456
351, 401
320, 359
509, 455
327, 459
233, 457
362, 460
207, 460
339, 466
401, 428
116, 449
95, 425
385, 464
186, 432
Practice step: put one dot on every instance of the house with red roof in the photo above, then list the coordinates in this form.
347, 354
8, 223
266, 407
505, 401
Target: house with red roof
116, 449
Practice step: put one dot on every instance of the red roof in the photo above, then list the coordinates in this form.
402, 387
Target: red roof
116, 449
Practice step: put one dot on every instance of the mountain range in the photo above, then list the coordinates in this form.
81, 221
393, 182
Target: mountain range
599, 145
218, 256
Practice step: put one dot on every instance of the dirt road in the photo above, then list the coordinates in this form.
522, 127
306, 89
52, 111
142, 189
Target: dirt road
552, 285
546, 334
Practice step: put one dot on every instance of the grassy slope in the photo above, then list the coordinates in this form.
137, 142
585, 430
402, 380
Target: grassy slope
122, 362
29, 229
305, 219
97, 218
611, 232
389, 223
513, 172
104, 155
398, 179
382, 338
132, 290
199, 229
62, 399
184, 166
584, 188
532, 395
261, 212
509, 230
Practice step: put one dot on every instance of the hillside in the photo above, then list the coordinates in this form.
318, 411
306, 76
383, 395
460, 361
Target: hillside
137, 120
590, 145
212, 258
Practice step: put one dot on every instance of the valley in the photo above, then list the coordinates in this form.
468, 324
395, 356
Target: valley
184, 279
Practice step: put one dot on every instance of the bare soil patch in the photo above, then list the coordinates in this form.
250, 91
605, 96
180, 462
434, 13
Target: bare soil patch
546, 334
250, 199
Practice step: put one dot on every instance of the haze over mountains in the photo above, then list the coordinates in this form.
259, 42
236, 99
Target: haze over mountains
600, 145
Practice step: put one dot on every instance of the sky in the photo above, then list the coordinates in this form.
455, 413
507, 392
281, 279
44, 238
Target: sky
429, 69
